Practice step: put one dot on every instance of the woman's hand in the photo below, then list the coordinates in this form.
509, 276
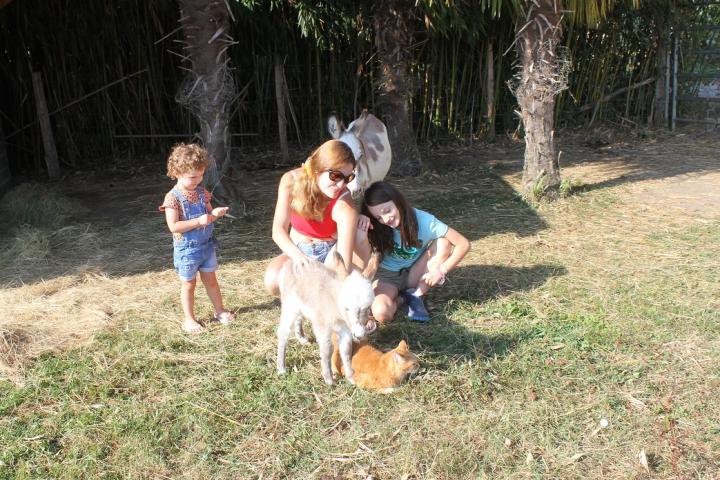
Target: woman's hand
299, 263
364, 224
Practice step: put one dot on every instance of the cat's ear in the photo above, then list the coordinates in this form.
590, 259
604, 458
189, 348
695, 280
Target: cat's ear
399, 359
402, 346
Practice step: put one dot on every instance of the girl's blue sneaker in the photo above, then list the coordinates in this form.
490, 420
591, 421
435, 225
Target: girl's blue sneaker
416, 308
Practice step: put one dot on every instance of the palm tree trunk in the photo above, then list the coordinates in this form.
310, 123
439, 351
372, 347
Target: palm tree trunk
393, 23
211, 88
542, 76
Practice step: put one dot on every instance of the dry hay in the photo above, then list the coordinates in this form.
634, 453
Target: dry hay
13, 349
63, 283
43, 231
57, 291
54, 314
40, 206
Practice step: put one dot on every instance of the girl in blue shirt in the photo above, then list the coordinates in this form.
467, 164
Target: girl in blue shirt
417, 251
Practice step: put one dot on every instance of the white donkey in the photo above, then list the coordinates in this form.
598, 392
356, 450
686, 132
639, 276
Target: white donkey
336, 301
368, 139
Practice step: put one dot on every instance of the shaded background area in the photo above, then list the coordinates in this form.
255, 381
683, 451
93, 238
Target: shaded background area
109, 223
95, 221
112, 70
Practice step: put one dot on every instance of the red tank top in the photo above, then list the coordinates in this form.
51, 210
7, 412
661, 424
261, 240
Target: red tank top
324, 228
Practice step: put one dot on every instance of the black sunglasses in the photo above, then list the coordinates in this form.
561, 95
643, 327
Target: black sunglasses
337, 175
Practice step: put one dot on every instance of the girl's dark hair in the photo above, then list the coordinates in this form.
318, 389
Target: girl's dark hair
380, 235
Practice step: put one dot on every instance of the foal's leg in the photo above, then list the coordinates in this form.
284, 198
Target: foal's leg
288, 316
325, 344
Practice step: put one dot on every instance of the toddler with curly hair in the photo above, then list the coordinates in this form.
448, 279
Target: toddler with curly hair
190, 216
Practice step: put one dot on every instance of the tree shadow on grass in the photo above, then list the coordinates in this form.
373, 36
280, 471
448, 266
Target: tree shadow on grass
616, 156
272, 304
480, 283
123, 233
475, 202
671, 156
446, 341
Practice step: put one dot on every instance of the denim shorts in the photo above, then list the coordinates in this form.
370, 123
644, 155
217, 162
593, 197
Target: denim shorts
317, 250
189, 260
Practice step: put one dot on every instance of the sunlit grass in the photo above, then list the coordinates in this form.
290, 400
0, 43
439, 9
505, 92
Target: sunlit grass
572, 338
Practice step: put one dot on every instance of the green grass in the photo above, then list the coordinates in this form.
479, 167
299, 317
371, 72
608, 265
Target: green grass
535, 340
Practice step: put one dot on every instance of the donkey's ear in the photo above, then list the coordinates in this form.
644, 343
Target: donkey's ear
335, 126
372, 266
337, 264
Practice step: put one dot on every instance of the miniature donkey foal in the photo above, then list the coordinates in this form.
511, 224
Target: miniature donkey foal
334, 301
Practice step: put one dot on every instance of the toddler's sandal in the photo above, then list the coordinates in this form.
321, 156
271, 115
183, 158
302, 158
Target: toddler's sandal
225, 318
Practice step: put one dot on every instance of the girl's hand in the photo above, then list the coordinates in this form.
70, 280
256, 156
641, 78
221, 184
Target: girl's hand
436, 277
219, 211
205, 220
364, 223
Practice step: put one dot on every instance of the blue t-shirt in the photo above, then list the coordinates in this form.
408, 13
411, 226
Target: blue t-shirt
429, 229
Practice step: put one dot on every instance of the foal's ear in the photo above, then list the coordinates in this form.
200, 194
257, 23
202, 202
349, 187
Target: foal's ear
338, 265
372, 266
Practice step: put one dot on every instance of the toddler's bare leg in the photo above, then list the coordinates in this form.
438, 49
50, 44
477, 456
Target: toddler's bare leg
187, 300
213, 290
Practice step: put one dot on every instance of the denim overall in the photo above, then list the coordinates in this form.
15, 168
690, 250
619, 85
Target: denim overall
196, 250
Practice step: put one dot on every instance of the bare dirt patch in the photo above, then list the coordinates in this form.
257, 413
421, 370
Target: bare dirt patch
673, 171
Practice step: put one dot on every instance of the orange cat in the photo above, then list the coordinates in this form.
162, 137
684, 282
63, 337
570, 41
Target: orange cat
375, 370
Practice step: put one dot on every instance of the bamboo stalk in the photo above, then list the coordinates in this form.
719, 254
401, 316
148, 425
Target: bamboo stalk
318, 80
453, 80
74, 102
5, 178
490, 90
614, 94
282, 120
51, 156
